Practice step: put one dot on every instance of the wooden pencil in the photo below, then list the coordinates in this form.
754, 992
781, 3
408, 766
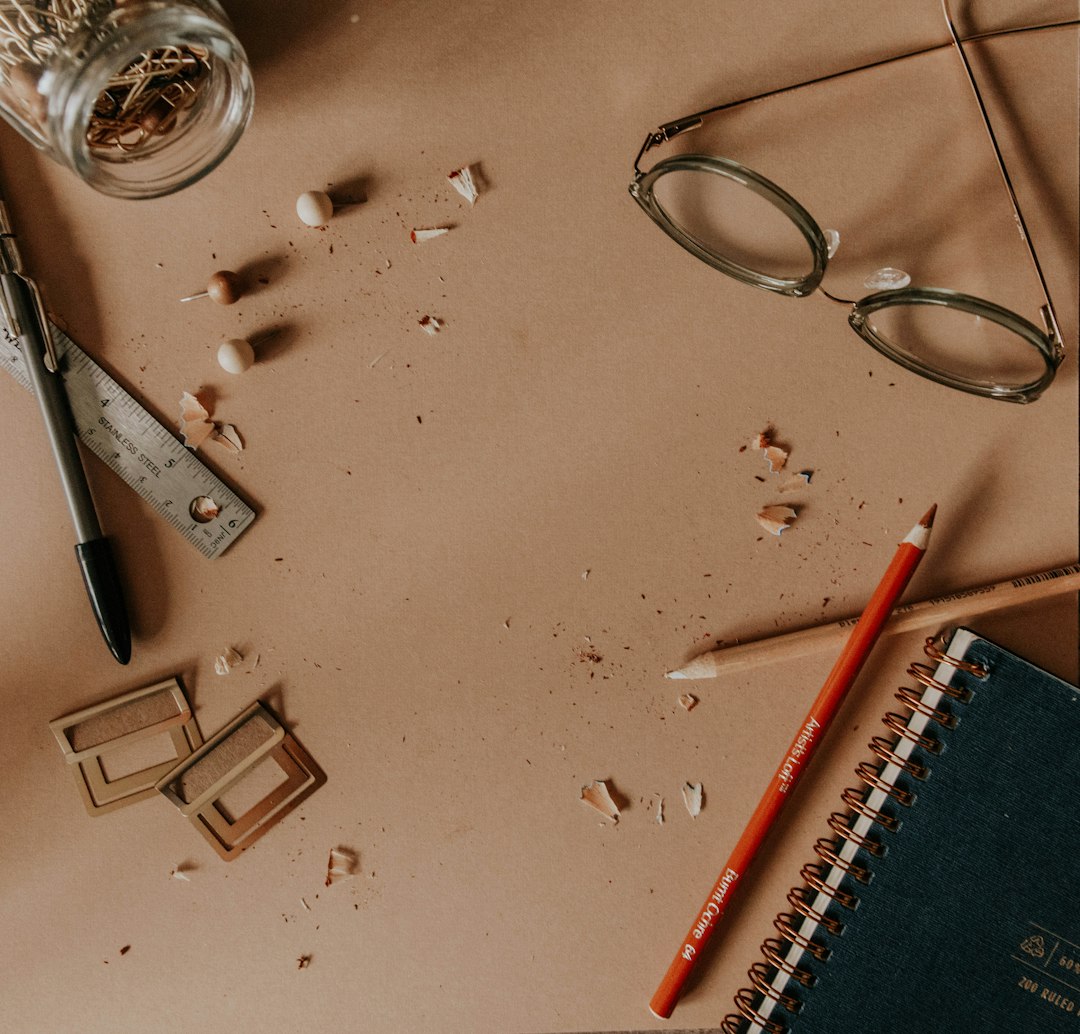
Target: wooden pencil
861, 641
941, 610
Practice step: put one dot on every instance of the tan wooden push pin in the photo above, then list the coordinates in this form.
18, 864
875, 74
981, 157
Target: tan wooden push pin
223, 287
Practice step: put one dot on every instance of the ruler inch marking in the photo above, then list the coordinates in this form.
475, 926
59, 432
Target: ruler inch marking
135, 445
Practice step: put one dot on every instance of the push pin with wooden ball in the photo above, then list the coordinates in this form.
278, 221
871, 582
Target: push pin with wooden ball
223, 287
316, 208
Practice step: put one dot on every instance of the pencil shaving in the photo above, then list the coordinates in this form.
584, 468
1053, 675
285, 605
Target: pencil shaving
204, 509
797, 481
227, 435
660, 811
688, 701
598, 795
195, 424
197, 428
224, 663
776, 458
464, 183
341, 865
776, 519
431, 325
428, 233
692, 798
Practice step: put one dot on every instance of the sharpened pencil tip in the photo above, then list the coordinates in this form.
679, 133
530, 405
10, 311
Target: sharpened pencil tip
928, 518
674, 675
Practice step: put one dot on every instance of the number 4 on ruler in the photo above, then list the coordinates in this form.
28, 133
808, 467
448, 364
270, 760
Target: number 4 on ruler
147, 456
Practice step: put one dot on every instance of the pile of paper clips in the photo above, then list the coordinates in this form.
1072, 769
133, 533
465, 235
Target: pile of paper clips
141, 102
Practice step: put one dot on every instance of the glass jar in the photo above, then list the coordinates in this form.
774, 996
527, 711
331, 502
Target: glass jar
139, 97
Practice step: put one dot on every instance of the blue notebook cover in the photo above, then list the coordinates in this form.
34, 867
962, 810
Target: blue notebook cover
970, 921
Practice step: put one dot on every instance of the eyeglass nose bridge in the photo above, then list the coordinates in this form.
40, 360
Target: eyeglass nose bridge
642, 190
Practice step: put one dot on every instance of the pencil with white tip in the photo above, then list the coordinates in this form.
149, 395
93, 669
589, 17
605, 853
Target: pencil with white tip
908, 617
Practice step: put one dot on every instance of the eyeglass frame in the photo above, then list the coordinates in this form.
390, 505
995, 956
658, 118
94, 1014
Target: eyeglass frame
1048, 344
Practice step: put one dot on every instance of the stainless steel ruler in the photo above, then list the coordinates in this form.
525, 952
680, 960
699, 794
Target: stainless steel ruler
147, 456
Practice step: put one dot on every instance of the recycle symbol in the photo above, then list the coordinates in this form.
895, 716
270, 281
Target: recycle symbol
1034, 946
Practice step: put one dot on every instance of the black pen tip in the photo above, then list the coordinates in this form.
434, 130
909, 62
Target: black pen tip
106, 598
121, 651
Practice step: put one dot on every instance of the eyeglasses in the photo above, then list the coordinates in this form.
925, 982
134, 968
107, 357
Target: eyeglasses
747, 227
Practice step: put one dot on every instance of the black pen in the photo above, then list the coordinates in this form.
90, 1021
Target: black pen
21, 304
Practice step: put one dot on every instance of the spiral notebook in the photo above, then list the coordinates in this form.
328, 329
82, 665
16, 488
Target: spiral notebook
948, 897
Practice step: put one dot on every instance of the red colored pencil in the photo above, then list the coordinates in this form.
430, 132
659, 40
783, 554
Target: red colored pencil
806, 742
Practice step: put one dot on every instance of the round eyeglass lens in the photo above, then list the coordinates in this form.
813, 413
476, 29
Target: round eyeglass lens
958, 340
737, 222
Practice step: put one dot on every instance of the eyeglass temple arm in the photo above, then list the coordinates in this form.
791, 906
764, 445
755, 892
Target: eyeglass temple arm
670, 130
1048, 314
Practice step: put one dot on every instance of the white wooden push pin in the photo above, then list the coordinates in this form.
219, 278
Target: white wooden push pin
314, 208
235, 355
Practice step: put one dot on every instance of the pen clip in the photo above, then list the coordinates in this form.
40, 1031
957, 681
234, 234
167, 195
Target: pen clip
11, 264
52, 359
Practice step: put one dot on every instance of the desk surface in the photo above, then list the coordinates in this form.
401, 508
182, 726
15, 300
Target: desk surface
477, 553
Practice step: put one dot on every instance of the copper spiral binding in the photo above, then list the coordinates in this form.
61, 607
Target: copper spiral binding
816, 878
936, 654
869, 773
771, 949
838, 823
763, 975
898, 723
797, 899
785, 926
760, 974
744, 1002
883, 748
853, 798
925, 674
826, 850
911, 699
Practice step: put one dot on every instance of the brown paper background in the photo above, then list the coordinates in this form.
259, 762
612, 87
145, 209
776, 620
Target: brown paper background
413, 585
